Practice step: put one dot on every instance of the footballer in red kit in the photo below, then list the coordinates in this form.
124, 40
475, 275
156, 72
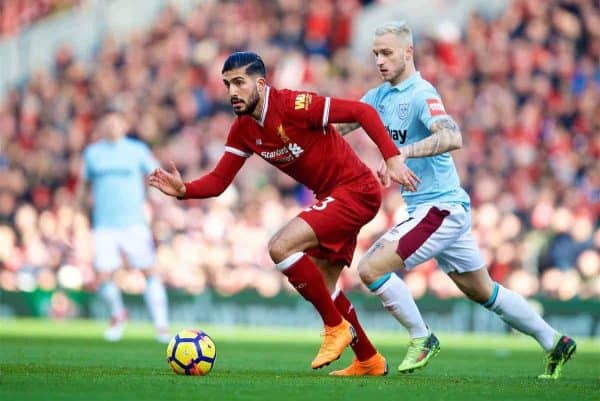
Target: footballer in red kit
292, 131
294, 135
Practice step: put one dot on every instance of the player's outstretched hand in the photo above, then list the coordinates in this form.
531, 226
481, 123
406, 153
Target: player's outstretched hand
168, 182
396, 170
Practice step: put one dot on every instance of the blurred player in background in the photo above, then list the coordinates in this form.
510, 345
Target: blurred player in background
438, 224
115, 167
292, 131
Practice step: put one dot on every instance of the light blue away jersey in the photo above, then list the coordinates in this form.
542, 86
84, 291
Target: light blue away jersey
116, 172
408, 110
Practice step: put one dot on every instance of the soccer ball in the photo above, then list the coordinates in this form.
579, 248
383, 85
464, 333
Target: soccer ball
191, 352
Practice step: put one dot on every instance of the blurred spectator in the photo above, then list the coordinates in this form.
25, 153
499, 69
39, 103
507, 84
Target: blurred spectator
16, 15
523, 88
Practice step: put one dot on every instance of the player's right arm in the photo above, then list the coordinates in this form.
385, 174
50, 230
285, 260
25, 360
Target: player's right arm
209, 185
81, 190
83, 181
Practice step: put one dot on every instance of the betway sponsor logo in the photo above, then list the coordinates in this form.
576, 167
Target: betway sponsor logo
397, 134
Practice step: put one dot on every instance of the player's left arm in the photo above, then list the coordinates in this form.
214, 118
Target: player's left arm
445, 137
343, 111
320, 111
346, 111
445, 134
147, 161
346, 128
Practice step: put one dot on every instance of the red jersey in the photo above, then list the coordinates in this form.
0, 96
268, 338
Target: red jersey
295, 136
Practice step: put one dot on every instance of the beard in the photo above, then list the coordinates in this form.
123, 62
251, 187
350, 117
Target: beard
397, 73
250, 104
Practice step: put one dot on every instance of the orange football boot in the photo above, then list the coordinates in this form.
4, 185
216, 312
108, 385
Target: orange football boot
374, 366
335, 340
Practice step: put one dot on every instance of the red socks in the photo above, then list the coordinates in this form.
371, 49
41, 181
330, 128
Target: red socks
363, 347
306, 277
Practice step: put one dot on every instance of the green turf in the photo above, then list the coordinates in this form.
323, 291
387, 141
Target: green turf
43, 360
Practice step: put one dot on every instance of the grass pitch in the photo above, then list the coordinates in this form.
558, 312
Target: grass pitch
44, 360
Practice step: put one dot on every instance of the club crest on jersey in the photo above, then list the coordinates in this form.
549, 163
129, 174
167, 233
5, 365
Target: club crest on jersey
281, 134
381, 108
258, 141
302, 101
403, 110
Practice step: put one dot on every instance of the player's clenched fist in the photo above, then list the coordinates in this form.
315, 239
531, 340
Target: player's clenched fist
168, 182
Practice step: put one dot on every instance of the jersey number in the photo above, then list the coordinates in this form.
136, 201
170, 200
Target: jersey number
320, 205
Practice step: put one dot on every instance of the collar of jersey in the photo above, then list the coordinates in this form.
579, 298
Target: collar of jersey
263, 113
407, 82
114, 143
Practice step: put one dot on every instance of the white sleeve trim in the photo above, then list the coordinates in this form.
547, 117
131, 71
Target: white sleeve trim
263, 113
326, 111
237, 152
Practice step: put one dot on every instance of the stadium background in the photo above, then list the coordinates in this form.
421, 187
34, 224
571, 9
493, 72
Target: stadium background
522, 79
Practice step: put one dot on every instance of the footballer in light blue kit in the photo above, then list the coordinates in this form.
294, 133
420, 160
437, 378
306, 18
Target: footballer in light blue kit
439, 217
115, 168
408, 110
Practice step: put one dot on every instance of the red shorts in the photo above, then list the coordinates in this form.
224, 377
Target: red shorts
338, 218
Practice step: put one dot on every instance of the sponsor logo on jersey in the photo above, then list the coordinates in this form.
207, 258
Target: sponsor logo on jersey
436, 107
398, 135
302, 101
295, 149
283, 155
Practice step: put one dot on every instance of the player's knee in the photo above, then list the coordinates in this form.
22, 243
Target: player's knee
367, 272
278, 250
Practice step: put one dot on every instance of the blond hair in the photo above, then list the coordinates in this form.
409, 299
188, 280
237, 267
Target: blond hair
398, 28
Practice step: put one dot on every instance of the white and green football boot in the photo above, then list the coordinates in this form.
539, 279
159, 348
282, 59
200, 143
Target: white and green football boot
555, 360
420, 351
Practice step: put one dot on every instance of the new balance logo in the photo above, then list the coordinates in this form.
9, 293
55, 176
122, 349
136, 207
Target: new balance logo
295, 149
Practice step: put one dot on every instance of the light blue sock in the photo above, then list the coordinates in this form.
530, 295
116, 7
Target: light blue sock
111, 294
156, 301
397, 299
518, 314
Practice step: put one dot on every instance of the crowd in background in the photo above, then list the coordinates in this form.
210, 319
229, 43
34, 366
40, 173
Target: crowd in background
523, 88
16, 15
